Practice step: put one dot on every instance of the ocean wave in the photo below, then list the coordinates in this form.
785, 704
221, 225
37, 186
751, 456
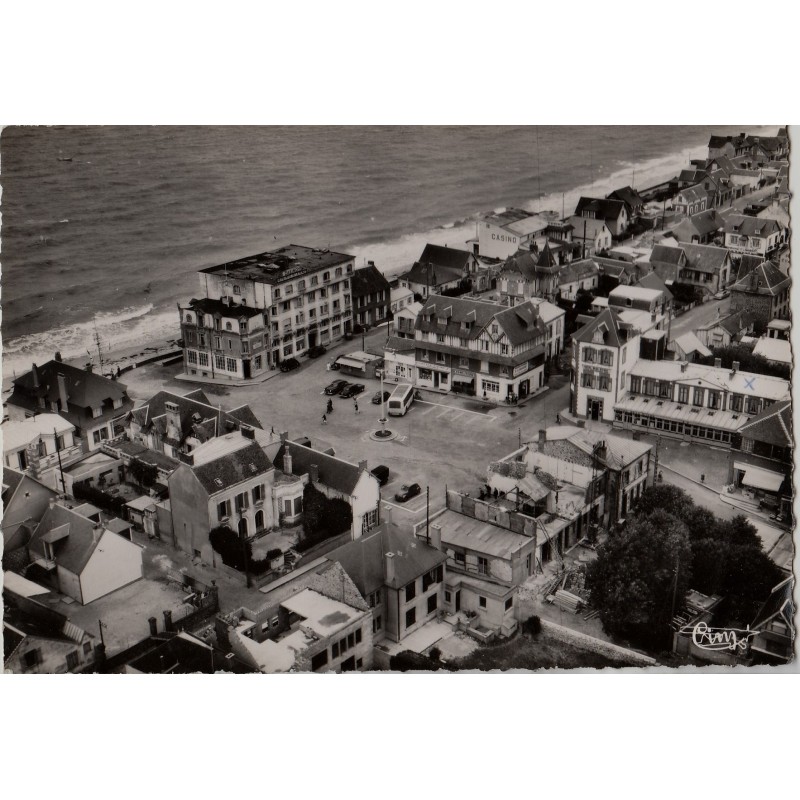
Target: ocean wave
117, 330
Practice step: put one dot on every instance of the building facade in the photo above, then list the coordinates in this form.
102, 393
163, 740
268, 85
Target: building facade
258, 311
371, 296
480, 348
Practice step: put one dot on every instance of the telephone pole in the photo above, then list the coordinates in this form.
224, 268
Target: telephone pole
655, 464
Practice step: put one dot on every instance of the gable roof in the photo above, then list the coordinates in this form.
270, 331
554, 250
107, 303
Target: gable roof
449, 257
665, 254
703, 223
340, 475
780, 601
478, 313
577, 270
745, 225
232, 468
400, 344
520, 323
367, 280
607, 319
773, 425
627, 195
653, 281
605, 208
689, 343
692, 194
437, 276
71, 535
705, 257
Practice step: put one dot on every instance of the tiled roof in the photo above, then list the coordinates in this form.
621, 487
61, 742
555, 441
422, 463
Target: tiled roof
747, 264
627, 195
693, 193
664, 254
234, 468
700, 224
147, 456
746, 225
653, 281
737, 322
478, 312
521, 323
367, 280
766, 278
399, 343
780, 601
445, 257
773, 425
438, 275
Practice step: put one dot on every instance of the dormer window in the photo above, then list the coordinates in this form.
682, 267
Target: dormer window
97, 412
495, 328
237, 289
228, 326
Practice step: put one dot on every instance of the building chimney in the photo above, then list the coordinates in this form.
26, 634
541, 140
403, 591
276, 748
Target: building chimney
284, 436
58, 355
62, 391
362, 466
167, 620
153, 626
735, 367
35, 376
97, 532
52, 502
436, 536
389, 565
684, 364
717, 363
287, 461
542, 437
89, 366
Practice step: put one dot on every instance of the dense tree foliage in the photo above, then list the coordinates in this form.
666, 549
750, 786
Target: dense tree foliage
323, 517
672, 545
748, 361
142, 474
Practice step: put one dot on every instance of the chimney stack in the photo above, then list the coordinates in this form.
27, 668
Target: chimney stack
735, 367
284, 436
362, 466
313, 473
436, 536
58, 355
168, 621
153, 626
542, 437
389, 562
287, 461
684, 364
62, 391
97, 532
717, 363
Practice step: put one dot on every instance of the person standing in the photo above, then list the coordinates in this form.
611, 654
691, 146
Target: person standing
355, 405
324, 419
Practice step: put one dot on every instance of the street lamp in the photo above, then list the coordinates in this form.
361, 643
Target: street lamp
382, 420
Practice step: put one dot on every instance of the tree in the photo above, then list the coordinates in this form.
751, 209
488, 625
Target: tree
638, 577
143, 474
748, 361
228, 544
323, 517
663, 496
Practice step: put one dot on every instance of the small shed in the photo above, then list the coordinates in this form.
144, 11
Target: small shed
142, 513
360, 364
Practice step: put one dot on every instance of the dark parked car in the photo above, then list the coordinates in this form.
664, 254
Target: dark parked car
376, 398
316, 351
351, 390
407, 492
289, 364
335, 387
382, 474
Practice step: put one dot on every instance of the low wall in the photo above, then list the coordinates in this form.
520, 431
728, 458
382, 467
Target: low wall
596, 645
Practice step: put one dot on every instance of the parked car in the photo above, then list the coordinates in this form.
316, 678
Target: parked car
381, 472
316, 351
376, 398
351, 390
722, 295
379, 368
407, 492
334, 365
335, 386
289, 364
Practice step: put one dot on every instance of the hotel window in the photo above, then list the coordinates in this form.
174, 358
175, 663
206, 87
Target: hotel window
504, 349
482, 602
217, 343
736, 402
411, 617
204, 359
485, 344
509, 603
191, 357
228, 327
258, 493
230, 363
338, 272
377, 623
219, 362
697, 397
664, 390
587, 380
683, 394
460, 558
747, 445
433, 603
636, 384
411, 591
223, 509
319, 660
588, 354
604, 383
713, 399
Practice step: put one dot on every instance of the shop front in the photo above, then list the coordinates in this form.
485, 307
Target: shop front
463, 382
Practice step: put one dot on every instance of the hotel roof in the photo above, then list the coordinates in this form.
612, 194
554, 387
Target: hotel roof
285, 263
474, 534
773, 425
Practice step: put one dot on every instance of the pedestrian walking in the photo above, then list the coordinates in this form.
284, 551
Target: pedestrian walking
558, 419
324, 419
355, 405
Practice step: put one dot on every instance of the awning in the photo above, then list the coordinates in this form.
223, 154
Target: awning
352, 363
762, 479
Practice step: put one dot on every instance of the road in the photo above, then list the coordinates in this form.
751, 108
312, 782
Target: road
699, 315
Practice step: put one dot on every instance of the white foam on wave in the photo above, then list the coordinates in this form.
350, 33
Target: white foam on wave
130, 327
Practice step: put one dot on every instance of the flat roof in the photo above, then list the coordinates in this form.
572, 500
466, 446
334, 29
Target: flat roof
285, 263
635, 292
779, 350
475, 534
668, 409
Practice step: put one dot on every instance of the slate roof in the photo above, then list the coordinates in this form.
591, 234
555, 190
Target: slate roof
438, 275
445, 257
780, 601
629, 196
363, 559
664, 254
653, 281
766, 278
607, 209
521, 323
747, 264
234, 468
461, 310
745, 225
368, 280
703, 223
85, 390
211, 421
72, 552
334, 472
578, 270
773, 425
705, 257
11, 480
693, 193
401, 344
608, 318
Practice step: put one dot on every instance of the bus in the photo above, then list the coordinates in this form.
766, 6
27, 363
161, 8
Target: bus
401, 399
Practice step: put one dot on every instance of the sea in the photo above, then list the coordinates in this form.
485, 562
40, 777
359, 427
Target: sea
104, 228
